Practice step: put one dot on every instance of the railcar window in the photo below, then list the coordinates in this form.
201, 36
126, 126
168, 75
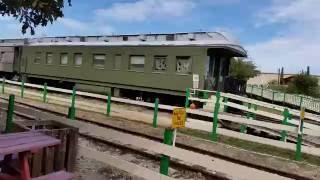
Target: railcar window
49, 59
99, 60
64, 59
137, 63
160, 63
117, 62
1, 56
37, 58
78, 59
183, 64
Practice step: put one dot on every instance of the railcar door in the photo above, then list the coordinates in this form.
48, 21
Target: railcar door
217, 69
210, 80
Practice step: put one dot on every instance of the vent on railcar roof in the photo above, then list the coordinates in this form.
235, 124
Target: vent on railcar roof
191, 36
25, 41
82, 39
170, 37
68, 39
142, 37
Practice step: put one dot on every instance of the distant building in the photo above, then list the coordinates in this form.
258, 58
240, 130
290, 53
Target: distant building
265, 78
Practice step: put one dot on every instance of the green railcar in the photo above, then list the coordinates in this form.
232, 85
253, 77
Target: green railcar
143, 66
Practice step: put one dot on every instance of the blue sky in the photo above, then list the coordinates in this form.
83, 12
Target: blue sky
276, 33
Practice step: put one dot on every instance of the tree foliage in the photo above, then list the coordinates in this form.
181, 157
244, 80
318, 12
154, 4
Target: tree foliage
32, 13
243, 70
304, 84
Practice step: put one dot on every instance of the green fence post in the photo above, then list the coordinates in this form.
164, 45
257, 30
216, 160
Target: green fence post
225, 107
286, 115
186, 105
214, 135
301, 101
254, 115
3, 84
9, 122
299, 138
73, 97
205, 95
165, 160
273, 96
22, 88
109, 104
44, 98
261, 91
252, 90
243, 127
155, 113
284, 98
72, 109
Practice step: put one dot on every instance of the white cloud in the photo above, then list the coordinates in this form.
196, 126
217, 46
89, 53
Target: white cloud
294, 10
73, 24
220, 3
105, 29
298, 45
144, 9
231, 34
63, 27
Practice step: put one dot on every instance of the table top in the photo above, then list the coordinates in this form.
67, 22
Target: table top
25, 141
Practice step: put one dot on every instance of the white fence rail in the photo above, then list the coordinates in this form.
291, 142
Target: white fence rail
309, 129
309, 103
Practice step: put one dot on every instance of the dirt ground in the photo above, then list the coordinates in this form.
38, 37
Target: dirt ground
112, 173
87, 169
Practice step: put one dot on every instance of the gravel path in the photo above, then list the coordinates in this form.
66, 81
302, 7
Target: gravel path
130, 156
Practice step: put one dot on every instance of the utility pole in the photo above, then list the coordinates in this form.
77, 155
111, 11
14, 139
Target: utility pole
281, 76
308, 70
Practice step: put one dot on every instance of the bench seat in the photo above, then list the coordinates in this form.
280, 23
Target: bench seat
60, 175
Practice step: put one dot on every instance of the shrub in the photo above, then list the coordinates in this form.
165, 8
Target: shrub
242, 70
304, 84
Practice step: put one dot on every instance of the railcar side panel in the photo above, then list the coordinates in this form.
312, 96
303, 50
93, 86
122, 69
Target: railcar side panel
169, 80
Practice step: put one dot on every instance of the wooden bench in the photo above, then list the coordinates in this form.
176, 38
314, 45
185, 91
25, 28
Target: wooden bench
22, 144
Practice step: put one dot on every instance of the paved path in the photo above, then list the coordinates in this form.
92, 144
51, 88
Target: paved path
231, 170
129, 167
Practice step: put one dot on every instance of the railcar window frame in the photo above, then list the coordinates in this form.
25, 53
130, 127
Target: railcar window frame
188, 58
37, 58
51, 56
154, 69
64, 55
133, 67
75, 60
94, 60
117, 62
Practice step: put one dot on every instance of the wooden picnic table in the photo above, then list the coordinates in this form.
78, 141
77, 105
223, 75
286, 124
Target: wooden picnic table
22, 144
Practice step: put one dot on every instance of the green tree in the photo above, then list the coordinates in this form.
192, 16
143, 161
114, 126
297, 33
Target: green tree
32, 13
243, 70
304, 84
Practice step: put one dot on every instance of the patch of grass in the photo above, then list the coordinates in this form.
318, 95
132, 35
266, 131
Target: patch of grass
253, 146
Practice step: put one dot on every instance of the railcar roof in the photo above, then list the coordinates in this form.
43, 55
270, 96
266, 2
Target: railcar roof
200, 39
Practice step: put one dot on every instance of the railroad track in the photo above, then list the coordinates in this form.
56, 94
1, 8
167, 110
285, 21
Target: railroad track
180, 169
158, 139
